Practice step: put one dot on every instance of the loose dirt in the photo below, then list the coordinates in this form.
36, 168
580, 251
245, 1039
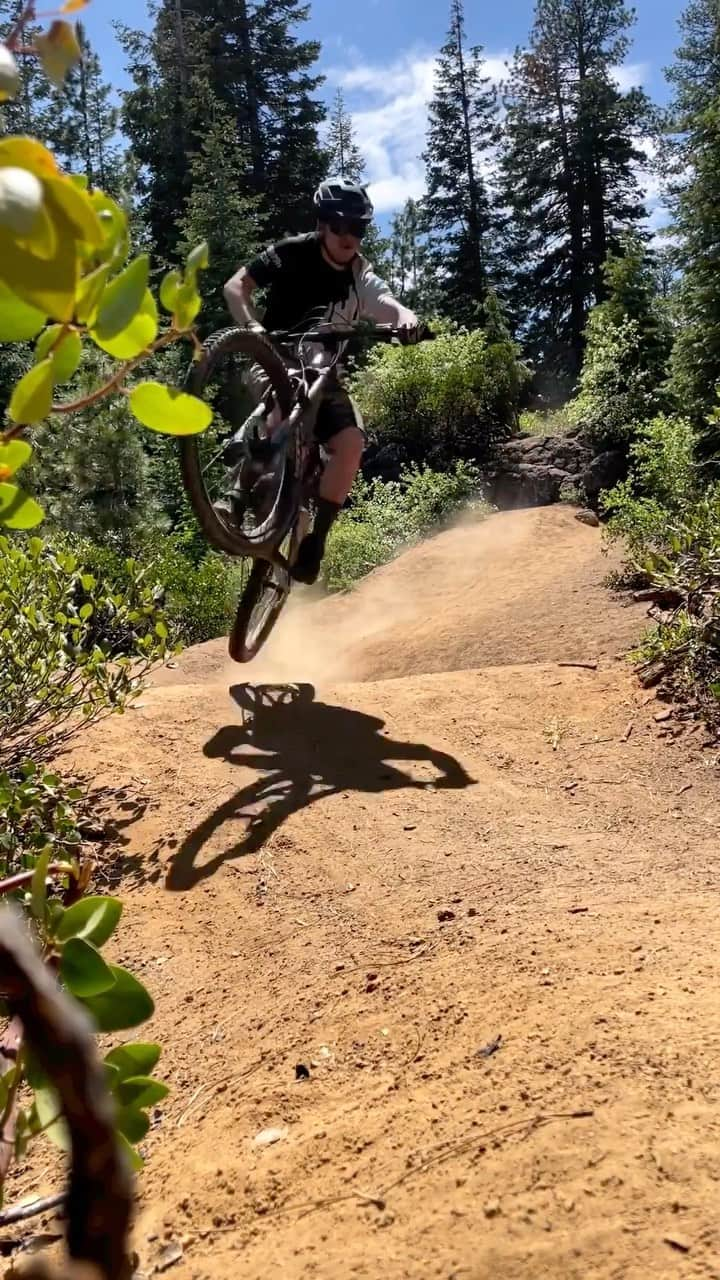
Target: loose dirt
470, 890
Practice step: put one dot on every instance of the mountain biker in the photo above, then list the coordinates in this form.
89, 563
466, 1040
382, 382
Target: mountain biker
323, 272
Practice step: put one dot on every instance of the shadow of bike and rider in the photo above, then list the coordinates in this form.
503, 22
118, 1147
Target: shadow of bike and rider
303, 751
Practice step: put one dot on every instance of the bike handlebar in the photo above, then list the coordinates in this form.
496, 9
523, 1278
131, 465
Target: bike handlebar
332, 335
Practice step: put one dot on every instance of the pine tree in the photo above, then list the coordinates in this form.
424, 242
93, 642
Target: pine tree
568, 169
245, 55
86, 122
163, 117
695, 124
409, 272
462, 131
343, 154
264, 72
30, 110
93, 474
218, 212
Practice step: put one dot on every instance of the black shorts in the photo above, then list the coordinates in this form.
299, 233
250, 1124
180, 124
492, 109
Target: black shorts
336, 413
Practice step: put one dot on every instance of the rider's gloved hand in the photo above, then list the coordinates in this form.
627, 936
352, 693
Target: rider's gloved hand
408, 335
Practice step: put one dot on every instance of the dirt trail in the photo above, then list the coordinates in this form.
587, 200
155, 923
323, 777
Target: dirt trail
436, 836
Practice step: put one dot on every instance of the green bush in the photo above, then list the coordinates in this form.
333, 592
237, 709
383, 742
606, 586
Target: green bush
661, 488
385, 517
454, 398
72, 647
198, 597
545, 422
670, 526
37, 812
617, 393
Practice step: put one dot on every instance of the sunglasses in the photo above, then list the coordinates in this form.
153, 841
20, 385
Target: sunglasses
356, 227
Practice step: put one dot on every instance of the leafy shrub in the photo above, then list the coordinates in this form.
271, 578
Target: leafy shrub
384, 517
671, 528
545, 422
617, 393
71, 648
661, 486
37, 812
199, 597
441, 401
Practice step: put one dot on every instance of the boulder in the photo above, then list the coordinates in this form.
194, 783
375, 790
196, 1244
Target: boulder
531, 471
604, 472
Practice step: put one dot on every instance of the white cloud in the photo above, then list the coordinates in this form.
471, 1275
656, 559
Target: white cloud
631, 75
389, 106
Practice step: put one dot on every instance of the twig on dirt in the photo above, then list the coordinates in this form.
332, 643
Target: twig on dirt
466, 1144
32, 1209
445, 1152
418, 1047
214, 1087
381, 964
583, 666
628, 732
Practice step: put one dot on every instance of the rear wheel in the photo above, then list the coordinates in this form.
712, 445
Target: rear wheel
230, 358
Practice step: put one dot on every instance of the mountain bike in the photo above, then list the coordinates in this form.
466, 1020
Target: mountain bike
252, 479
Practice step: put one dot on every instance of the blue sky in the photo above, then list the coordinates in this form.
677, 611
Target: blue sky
381, 53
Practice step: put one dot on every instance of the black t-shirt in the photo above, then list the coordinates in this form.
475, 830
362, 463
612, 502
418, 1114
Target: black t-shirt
300, 283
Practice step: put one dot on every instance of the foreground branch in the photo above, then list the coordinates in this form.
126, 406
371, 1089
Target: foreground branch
61, 1038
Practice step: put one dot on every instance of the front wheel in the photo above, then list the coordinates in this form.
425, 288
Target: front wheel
264, 599
232, 361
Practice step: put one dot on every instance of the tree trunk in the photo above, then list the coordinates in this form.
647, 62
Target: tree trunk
86, 140
473, 211
257, 151
575, 225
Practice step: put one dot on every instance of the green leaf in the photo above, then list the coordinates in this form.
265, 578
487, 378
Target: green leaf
137, 336
38, 888
135, 1160
134, 1059
169, 289
59, 50
187, 306
94, 919
86, 612
161, 631
114, 223
13, 456
31, 399
83, 969
127, 1004
66, 356
141, 1091
55, 913
122, 300
89, 292
17, 509
47, 282
47, 1102
168, 411
19, 322
715, 689
49, 1118
198, 260
132, 1123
